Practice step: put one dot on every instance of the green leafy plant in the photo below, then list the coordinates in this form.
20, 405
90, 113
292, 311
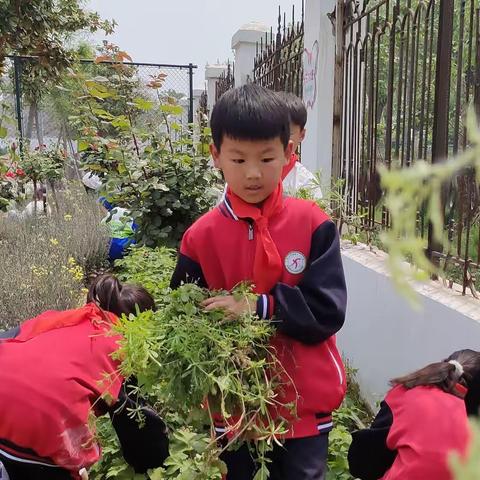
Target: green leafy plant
468, 468
192, 457
339, 442
186, 355
43, 164
191, 363
151, 268
334, 203
112, 464
353, 414
155, 169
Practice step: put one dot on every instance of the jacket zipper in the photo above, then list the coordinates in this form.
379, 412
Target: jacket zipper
250, 230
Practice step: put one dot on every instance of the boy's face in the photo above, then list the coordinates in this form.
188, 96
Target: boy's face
297, 135
252, 168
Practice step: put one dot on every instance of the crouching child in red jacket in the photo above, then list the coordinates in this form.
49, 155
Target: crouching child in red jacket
56, 371
289, 249
422, 420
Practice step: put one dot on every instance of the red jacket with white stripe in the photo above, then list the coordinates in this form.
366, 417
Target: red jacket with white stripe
412, 436
307, 305
52, 382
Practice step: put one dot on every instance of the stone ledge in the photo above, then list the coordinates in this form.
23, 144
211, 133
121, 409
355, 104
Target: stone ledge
375, 259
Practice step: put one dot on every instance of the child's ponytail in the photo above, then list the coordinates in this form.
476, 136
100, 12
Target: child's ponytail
113, 296
460, 367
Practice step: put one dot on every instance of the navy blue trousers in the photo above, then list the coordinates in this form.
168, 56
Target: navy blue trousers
296, 459
28, 471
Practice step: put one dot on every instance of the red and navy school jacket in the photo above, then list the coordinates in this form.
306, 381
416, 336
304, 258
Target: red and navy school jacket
307, 305
50, 386
412, 436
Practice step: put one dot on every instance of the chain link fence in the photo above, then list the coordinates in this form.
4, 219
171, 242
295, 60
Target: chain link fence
41, 116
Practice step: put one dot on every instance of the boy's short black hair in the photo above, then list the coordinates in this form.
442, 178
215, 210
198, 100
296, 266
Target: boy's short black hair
250, 112
296, 108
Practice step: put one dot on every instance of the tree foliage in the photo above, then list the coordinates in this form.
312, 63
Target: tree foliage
156, 169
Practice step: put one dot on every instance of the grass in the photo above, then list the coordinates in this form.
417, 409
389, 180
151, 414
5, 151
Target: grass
43, 260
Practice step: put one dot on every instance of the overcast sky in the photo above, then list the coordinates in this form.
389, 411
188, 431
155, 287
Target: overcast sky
184, 31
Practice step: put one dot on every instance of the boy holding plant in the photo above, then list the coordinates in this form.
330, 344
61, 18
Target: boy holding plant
289, 250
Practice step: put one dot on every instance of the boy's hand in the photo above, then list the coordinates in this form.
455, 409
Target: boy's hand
233, 307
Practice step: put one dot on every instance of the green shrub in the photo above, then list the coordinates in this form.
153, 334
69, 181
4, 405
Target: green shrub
151, 163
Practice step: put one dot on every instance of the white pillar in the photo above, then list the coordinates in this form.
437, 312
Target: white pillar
212, 74
197, 93
318, 82
244, 44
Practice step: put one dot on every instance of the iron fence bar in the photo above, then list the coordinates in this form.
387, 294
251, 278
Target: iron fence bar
365, 13
477, 64
277, 63
469, 69
413, 85
134, 64
458, 99
338, 90
405, 160
424, 84
441, 100
391, 76
430, 69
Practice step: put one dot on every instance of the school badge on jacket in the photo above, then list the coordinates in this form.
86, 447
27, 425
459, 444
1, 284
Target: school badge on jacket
295, 262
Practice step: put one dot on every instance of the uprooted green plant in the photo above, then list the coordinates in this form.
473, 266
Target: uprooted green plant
187, 357
193, 366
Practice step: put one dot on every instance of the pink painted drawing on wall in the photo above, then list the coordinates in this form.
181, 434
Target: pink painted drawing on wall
310, 65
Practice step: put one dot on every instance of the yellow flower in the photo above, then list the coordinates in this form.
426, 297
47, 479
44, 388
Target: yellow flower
67, 217
54, 241
39, 271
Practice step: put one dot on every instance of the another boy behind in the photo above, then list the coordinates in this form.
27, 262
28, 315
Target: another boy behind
297, 175
289, 249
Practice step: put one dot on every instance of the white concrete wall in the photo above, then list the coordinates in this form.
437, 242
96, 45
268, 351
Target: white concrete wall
318, 64
197, 94
384, 337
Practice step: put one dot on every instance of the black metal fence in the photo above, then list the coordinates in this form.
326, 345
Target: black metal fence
278, 64
225, 82
41, 119
406, 72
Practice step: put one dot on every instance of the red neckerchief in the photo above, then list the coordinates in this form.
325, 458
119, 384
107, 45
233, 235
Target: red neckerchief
268, 265
54, 319
289, 166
